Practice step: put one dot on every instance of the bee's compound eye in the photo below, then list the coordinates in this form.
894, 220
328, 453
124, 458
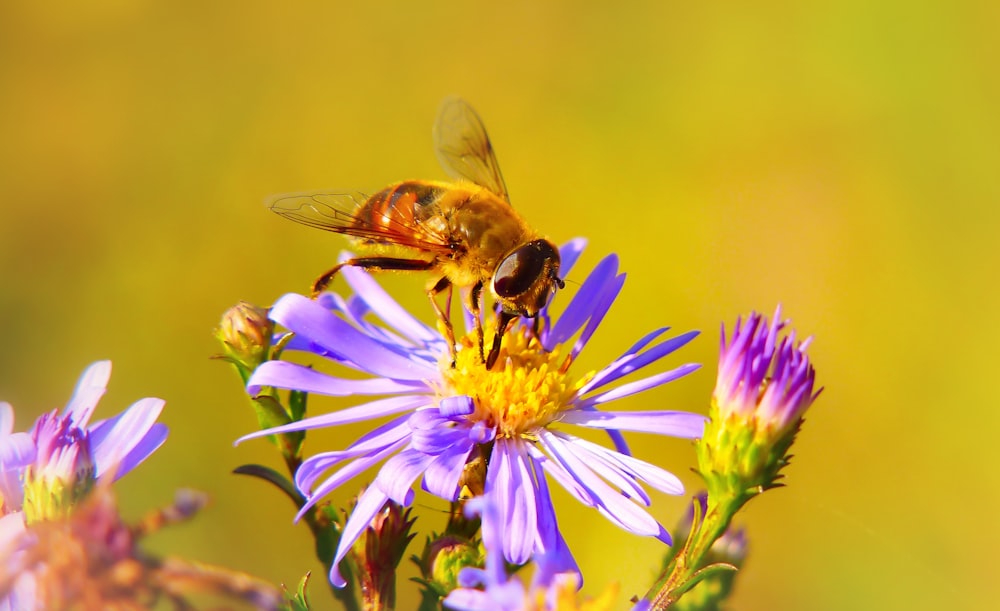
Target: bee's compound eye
521, 269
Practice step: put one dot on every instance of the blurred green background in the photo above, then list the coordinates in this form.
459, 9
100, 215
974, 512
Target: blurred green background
839, 158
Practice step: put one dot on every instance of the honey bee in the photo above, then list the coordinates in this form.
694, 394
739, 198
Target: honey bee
464, 232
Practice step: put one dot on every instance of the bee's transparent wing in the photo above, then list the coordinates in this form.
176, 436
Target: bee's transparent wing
338, 212
464, 149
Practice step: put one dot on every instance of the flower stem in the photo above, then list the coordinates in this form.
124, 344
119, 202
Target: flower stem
686, 568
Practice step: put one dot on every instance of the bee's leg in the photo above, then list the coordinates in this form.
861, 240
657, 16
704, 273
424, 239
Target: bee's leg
372, 264
475, 307
503, 319
536, 327
444, 315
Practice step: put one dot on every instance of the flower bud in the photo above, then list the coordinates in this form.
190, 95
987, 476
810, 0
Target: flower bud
245, 333
764, 387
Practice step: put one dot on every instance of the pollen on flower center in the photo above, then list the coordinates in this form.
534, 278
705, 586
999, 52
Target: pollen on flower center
524, 391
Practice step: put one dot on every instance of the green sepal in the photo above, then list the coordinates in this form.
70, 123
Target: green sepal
299, 601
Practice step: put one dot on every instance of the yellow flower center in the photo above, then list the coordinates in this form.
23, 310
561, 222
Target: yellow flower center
526, 389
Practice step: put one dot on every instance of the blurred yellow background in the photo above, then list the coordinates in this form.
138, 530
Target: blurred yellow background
839, 158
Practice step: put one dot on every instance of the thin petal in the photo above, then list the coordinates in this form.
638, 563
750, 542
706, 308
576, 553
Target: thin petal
673, 423
392, 434
569, 253
444, 472
610, 503
633, 361
17, 451
396, 477
114, 440
582, 305
508, 479
6, 419
282, 374
366, 411
602, 304
89, 391
369, 504
638, 386
366, 288
306, 317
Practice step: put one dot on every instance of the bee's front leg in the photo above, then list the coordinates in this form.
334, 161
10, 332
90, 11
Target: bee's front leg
503, 319
444, 314
475, 307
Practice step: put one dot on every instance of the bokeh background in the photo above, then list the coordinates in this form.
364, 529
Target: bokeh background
840, 158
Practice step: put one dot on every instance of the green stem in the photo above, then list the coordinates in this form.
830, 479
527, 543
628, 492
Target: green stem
677, 577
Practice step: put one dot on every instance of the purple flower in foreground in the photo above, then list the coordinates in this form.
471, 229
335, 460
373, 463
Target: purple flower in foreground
46, 471
500, 592
443, 417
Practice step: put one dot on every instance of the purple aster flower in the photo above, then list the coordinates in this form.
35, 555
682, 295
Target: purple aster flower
46, 471
442, 418
499, 591
48, 468
765, 385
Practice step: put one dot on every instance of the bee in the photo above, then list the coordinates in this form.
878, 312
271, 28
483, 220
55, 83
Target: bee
465, 232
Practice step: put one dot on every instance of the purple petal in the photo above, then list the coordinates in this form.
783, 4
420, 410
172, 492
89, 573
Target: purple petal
444, 472
569, 253
6, 419
611, 471
610, 503
366, 288
392, 434
507, 477
369, 504
462, 405
304, 316
582, 305
365, 411
122, 442
434, 440
631, 361
89, 391
639, 385
673, 423
396, 477
603, 303
554, 555
282, 374
17, 451
334, 481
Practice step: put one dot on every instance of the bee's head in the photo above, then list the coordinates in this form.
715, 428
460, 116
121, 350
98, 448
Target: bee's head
526, 278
